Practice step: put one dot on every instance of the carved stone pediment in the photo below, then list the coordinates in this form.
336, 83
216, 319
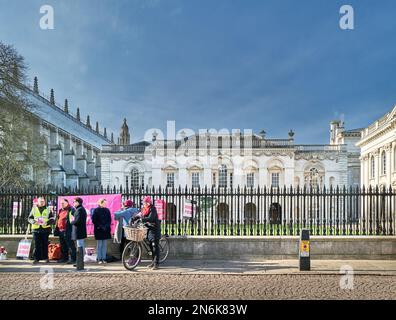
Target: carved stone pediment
194, 168
170, 168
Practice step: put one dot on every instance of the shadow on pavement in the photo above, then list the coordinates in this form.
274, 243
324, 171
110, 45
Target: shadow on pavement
171, 266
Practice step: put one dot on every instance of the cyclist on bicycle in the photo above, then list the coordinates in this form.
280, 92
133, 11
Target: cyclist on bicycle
149, 217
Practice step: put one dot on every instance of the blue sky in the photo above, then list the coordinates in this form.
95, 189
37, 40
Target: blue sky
273, 65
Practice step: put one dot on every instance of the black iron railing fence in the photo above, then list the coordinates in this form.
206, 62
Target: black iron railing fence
259, 211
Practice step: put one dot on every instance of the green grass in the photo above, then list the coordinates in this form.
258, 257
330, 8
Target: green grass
261, 229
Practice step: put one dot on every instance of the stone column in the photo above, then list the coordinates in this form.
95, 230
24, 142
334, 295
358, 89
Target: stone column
362, 170
183, 177
157, 177
58, 175
389, 164
98, 167
105, 172
288, 177
377, 167
207, 176
82, 166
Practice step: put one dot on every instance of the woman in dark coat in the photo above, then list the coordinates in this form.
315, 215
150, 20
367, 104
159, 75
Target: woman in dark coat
101, 219
79, 223
79, 231
149, 217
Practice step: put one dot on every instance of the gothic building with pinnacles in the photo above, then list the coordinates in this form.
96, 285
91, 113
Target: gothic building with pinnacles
69, 149
231, 160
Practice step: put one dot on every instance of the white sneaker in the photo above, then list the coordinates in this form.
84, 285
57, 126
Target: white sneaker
100, 262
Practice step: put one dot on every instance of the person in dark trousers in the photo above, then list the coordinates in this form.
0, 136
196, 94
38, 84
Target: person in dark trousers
149, 217
41, 219
79, 231
64, 230
101, 219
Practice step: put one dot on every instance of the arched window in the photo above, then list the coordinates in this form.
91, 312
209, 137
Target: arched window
250, 180
223, 176
195, 179
372, 172
171, 213
314, 179
383, 162
250, 212
222, 212
170, 180
137, 179
314, 176
275, 179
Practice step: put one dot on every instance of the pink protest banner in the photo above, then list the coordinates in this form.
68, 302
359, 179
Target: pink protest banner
90, 202
160, 205
189, 208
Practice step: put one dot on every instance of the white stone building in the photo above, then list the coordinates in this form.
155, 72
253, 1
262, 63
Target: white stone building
216, 159
378, 152
69, 149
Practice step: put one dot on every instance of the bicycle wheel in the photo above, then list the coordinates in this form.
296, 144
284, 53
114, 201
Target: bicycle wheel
164, 249
131, 255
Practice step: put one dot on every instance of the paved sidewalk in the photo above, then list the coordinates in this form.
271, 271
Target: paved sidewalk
201, 280
370, 267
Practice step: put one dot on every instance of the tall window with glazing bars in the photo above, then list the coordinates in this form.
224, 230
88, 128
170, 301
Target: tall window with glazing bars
372, 167
275, 179
195, 179
250, 180
170, 179
135, 179
223, 176
383, 163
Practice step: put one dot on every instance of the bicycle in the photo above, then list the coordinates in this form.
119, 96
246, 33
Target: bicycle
133, 251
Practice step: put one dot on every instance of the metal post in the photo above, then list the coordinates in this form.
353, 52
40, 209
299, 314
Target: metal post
80, 258
304, 251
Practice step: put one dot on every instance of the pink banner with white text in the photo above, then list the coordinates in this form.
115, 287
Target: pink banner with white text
90, 202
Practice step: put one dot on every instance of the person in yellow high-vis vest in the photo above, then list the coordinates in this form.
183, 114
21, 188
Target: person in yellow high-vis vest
41, 219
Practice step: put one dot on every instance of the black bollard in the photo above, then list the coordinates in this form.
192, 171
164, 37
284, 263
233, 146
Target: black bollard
80, 258
304, 251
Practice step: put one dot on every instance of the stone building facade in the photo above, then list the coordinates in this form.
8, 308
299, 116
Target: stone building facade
231, 160
378, 152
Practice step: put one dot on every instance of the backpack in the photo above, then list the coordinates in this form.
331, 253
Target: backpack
54, 251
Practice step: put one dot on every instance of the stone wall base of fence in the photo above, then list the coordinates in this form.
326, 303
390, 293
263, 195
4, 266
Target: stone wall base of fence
256, 248
284, 247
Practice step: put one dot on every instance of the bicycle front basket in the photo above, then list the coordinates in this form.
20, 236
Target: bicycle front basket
135, 234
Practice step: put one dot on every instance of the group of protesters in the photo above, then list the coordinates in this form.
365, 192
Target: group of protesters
70, 226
